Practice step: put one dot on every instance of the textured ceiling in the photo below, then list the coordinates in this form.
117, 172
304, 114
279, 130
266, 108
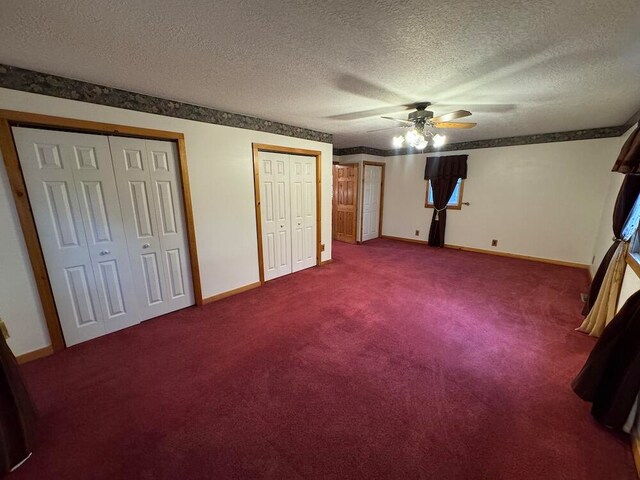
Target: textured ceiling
521, 66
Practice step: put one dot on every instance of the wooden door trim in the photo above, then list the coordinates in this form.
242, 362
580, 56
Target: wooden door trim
357, 187
262, 147
374, 164
10, 118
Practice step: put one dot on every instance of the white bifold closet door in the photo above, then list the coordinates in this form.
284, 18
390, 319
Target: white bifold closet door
86, 232
288, 211
371, 202
303, 211
73, 196
148, 182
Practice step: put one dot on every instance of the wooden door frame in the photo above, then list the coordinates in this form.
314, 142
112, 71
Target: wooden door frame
262, 147
357, 184
10, 118
364, 166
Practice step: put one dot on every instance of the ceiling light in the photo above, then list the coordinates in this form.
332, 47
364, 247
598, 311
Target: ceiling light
439, 140
422, 143
398, 141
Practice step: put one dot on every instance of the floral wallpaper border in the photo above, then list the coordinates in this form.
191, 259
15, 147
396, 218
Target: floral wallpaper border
16, 78
569, 136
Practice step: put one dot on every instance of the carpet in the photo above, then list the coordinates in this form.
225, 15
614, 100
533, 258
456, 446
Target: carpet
395, 361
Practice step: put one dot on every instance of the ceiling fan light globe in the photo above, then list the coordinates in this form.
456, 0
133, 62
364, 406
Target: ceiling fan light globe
422, 144
398, 141
412, 137
439, 140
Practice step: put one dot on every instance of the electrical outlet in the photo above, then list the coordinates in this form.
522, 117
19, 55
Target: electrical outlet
322, 247
494, 243
417, 233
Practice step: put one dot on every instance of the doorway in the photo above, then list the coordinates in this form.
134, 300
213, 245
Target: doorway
288, 198
345, 203
88, 215
372, 200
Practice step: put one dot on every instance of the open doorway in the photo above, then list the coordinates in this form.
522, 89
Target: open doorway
345, 203
372, 200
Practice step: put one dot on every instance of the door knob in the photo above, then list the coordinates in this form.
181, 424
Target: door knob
146, 245
105, 252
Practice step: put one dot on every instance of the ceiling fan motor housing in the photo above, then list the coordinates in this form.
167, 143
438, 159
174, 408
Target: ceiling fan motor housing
421, 115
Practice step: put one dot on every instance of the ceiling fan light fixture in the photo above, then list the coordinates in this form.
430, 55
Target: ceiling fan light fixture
421, 144
412, 137
398, 141
439, 140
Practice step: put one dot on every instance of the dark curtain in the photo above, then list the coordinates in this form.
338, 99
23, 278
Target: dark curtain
443, 172
17, 414
611, 376
627, 195
629, 159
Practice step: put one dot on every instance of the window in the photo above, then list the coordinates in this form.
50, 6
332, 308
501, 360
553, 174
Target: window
455, 202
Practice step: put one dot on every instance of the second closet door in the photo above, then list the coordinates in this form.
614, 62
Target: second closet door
303, 211
148, 187
276, 214
288, 212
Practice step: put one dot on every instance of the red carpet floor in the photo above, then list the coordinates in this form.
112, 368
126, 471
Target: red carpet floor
395, 361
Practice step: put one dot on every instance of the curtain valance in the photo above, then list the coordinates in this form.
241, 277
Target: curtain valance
450, 166
628, 161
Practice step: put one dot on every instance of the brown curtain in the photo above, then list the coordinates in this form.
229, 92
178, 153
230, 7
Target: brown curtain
443, 173
17, 414
627, 196
610, 377
629, 159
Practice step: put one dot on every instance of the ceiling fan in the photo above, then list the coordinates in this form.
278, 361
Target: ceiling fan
422, 118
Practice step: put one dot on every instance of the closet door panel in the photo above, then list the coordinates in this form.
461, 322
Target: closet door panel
172, 230
104, 228
46, 161
138, 206
275, 209
303, 212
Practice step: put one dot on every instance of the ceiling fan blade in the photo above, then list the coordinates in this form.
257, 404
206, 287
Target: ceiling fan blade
405, 122
447, 117
454, 124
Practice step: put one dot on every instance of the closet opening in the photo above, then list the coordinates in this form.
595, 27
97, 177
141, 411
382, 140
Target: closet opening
81, 235
288, 214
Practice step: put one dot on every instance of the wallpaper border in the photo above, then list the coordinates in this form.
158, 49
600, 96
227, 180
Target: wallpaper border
16, 78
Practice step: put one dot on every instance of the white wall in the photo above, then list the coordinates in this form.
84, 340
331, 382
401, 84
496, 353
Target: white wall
541, 200
221, 177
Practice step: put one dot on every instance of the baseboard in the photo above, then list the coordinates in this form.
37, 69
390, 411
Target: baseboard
635, 446
500, 254
402, 239
326, 262
35, 354
519, 256
230, 293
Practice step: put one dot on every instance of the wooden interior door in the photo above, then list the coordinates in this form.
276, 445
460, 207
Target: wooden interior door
345, 202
